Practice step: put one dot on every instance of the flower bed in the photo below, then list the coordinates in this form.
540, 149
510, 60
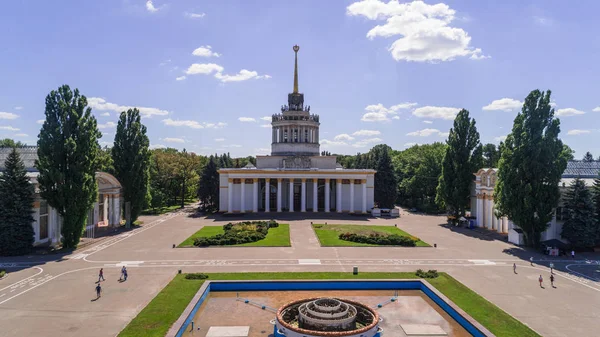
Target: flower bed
379, 239
238, 233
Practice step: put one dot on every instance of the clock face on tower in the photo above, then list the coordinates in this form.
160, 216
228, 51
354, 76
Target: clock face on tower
296, 100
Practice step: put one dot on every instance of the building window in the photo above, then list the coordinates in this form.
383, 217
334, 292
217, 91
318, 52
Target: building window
306, 136
285, 136
43, 219
101, 207
237, 181
562, 214
295, 135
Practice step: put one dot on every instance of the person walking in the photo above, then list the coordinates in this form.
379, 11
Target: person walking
101, 275
552, 280
572, 254
531, 260
541, 280
98, 291
551, 268
125, 273
514, 268
122, 273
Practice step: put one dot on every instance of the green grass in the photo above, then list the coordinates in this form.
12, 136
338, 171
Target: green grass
329, 234
276, 237
156, 319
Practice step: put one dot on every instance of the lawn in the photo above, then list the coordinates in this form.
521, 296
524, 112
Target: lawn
156, 319
277, 237
328, 234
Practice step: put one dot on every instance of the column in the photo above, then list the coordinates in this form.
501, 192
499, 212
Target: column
243, 196
255, 195
267, 194
351, 195
327, 195
273, 135
479, 213
303, 195
229, 195
291, 198
315, 195
278, 194
338, 195
364, 196
489, 211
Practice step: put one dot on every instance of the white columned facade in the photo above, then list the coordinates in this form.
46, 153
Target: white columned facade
479, 210
303, 202
278, 194
267, 194
315, 195
229, 195
291, 198
338, 195
364, 195
243, 196
327, 195
255, 195
489, 212
351, 195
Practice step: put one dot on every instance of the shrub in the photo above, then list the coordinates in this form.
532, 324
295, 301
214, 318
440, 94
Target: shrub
196, 276
238, 233
432, 273
2, 273
318, 226
379, 239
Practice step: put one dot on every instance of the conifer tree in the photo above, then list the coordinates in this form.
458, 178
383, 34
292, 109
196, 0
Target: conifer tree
131, 160
386, 186
208, 189
595, 189
16, 207
588, 157
580, 228
67, 158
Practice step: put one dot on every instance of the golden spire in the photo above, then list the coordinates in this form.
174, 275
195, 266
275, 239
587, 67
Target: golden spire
296, 48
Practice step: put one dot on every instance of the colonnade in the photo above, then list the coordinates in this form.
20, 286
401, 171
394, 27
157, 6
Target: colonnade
291, 133
486, 216
303, 194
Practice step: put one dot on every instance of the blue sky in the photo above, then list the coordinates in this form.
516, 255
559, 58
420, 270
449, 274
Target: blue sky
207, 72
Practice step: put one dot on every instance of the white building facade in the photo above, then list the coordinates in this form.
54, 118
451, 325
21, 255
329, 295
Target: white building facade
295, 177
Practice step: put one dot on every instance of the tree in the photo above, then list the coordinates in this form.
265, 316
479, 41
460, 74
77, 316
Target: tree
581, 227
461, 160
568, 152
596, 200
67, 158
385, 180
7, 142
208, 189
533, 160
16, 208
491, 155
105, 161
588, 158
131, 160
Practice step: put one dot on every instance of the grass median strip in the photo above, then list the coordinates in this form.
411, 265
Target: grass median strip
329, 234
276, 237
156, 318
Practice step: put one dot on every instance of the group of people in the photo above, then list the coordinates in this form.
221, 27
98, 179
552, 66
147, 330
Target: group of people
123, 278
541, 279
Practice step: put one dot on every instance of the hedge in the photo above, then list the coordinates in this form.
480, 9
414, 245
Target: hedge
238, 233
379, 239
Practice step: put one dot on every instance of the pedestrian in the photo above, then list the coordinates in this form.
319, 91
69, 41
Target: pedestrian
122, 273
552, 280
551, 268
101, 275
531, 260
572, 254
125, 273
541, 280
514, 268
98, 290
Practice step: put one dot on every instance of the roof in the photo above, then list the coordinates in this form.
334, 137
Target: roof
28, 155
582, 169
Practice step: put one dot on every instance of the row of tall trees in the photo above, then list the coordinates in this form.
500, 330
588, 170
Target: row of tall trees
581, 210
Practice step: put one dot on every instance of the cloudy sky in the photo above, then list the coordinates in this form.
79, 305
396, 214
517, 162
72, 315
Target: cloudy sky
207, 75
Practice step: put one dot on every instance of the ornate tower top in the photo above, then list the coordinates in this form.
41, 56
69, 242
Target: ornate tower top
296, 49
295, 99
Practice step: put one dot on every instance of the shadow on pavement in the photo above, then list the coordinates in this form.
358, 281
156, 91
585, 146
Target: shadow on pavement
288, 216
478, 233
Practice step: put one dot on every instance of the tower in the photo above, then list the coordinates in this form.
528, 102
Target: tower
295, 131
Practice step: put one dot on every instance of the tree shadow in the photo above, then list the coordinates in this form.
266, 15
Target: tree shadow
477, 233
290, 216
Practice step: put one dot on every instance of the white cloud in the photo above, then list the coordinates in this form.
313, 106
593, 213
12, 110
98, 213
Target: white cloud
9, 128
102, 105
193, 124
158, 146
444, 134
504, 104
328, 143
262, 151
566, 112
106, 114
379, 113
40, 121
344, 137
396, 117
165, 62
243, 75
576, 132
205, 51
180, 78
424, 132
219, 139
21, 135
8, 115
374, 117
267, 118
194, 15
173, 140
204, 68
365, 142
366, 133
426, 34
428, 122
247, 119
477, 55
500, 138
409, 144
107, 125
265, 126
232, 145
436, 112
150, 7
596, 109
18, 108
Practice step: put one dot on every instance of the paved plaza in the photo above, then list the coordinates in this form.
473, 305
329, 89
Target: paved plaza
52, 295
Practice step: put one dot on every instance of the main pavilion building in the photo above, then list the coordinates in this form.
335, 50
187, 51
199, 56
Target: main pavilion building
295, 177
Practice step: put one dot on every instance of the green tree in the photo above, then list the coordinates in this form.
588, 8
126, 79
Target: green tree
67, 158
208, 189
596, 200
105, 161
491, 155
16, 207
568, 152
533, 160
462, 159
588, 158
581, 227
385, 180
7, 142
131, 160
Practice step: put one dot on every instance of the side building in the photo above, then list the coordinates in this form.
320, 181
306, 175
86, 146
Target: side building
47, 222
295, 177
484, 210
